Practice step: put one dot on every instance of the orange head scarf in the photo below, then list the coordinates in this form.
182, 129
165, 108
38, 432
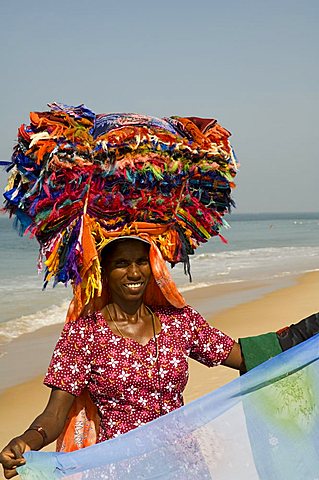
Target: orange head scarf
91, 294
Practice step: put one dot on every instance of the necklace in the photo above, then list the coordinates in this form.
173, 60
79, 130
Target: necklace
155, 360
154, 332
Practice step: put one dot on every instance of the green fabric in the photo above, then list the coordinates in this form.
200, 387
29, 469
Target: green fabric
260, 348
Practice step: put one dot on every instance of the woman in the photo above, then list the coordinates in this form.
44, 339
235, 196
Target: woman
80, 181
154, 360
131, 357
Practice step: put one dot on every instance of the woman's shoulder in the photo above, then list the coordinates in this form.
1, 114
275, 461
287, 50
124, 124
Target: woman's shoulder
85, 323
171, 308
186, 312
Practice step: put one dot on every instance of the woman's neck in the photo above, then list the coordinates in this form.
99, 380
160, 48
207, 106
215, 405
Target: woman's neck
130, 313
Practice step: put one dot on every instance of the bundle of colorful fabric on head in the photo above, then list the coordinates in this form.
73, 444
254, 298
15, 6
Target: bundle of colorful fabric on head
79, 179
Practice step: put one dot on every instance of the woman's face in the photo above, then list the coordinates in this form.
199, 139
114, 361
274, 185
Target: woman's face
128, 271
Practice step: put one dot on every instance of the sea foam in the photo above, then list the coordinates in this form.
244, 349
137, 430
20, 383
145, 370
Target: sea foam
30, 323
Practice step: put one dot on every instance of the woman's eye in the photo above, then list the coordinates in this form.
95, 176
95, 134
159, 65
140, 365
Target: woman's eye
121, 264
143, 261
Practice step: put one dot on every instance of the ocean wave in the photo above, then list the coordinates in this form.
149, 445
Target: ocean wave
22, 294
195, 286
262, 252
30, 323
21, 283
55, 314
248, 265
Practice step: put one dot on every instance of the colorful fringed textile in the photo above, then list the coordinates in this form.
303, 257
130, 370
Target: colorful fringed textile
261, 426
78, 179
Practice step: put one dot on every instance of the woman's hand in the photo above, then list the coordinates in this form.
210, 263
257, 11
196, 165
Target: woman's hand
11, 456
51, 421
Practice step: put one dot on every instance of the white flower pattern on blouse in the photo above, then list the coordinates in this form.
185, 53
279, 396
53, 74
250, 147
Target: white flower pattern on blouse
126, 382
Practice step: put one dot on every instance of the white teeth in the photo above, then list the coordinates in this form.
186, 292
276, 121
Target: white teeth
134, 285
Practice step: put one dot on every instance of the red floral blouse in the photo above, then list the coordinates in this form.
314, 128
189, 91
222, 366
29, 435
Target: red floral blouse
126, 382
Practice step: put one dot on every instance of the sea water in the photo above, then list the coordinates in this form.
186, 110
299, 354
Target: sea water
261, 247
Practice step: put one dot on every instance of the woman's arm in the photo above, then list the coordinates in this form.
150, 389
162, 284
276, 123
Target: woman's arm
44, 429
252, 351
290, 336
235, 359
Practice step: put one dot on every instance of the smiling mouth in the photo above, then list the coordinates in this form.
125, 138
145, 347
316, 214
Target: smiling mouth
134, 286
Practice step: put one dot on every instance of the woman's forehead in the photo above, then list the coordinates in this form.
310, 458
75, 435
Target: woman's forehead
129, 248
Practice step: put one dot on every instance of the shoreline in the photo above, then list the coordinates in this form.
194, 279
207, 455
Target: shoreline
208, 300
21, 402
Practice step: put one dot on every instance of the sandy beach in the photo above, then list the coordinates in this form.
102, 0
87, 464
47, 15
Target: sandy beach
267, 311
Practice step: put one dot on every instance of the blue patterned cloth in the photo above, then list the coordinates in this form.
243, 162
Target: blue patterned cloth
106, 122
261, 426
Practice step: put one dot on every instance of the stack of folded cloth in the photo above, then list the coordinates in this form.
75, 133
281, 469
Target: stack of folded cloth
78, 179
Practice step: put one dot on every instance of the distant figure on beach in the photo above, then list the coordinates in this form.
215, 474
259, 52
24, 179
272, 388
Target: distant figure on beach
111, 198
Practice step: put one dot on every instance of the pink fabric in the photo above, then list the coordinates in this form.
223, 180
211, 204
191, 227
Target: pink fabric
118, 372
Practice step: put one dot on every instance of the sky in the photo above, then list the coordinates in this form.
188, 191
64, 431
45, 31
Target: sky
251, 64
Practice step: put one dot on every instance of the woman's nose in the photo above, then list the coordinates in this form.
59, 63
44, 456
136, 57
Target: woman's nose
133, 271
